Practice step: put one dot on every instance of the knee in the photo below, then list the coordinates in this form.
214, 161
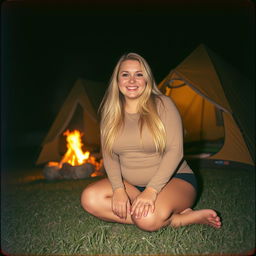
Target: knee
89, 200
150, 223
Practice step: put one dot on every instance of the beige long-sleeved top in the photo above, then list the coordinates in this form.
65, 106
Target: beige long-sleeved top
135, 158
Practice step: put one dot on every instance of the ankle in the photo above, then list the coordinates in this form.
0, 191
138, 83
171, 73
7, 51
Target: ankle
186, 211
175, 220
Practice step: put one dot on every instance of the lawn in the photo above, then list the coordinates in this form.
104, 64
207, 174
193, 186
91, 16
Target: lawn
45, 217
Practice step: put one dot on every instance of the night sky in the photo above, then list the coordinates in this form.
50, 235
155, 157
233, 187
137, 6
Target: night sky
47, 47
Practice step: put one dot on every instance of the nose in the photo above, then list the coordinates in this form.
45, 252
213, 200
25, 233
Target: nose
132, 79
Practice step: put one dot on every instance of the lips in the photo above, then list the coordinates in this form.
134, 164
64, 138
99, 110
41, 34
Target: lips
132, 88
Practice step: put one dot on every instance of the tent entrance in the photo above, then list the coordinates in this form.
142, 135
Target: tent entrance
202, 120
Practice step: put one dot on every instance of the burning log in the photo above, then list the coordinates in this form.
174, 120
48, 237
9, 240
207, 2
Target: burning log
51, 172
75, 164
76, 172
69, 172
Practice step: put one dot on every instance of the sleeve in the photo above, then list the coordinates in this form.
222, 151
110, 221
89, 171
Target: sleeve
174, 145
113, 170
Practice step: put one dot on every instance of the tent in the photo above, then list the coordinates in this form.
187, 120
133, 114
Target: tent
215, 103
79, 111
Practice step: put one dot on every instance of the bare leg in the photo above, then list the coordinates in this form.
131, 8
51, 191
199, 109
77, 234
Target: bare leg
96, 199
172, 207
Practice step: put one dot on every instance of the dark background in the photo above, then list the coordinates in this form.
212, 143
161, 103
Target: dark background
47, 46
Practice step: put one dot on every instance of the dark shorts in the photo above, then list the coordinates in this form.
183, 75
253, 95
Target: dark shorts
188, 177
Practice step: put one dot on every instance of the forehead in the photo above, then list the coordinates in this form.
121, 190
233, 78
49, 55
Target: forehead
130, 65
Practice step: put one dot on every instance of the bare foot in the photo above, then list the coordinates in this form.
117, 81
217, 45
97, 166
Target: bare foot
189, 216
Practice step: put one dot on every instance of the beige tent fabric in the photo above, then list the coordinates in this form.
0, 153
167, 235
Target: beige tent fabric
196, 89
50, 152
51, 147
234, 148
198, 71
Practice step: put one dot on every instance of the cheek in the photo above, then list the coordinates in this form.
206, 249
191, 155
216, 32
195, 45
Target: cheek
143, 84
120, 84
121, 87
120, 81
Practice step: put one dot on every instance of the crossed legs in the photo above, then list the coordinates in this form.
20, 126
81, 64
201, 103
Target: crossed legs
172, 206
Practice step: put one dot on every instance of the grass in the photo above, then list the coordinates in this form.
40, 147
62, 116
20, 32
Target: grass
42, 217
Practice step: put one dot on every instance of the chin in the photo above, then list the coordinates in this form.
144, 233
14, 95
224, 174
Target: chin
132, 96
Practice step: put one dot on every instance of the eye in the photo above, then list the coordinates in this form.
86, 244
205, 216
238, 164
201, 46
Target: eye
139, 75
124, 75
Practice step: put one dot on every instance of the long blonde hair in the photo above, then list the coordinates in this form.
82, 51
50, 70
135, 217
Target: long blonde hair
112, 108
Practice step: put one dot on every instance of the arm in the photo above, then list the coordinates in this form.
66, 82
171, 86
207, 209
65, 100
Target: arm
120, 199
174, 145
113, 170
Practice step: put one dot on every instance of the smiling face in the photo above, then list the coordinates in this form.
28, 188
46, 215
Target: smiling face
131, 80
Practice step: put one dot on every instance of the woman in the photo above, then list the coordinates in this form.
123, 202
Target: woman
149, 183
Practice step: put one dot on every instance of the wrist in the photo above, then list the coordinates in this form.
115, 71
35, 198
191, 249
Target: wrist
152, 190
118, 189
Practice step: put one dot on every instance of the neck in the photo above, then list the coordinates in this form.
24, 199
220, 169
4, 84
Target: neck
131, 105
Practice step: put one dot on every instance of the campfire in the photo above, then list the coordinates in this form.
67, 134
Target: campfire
75, 163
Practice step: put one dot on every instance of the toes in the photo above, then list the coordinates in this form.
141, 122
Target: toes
214, 215
217, 224
214, 221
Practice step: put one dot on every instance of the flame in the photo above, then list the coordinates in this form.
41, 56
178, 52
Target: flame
74, 155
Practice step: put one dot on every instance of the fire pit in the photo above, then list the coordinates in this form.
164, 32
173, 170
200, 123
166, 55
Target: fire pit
68, 171
75, 164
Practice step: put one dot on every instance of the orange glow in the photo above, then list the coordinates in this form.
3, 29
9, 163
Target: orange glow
74, 155
53, 164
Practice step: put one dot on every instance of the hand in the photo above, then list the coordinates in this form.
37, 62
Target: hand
144, 202
120, 203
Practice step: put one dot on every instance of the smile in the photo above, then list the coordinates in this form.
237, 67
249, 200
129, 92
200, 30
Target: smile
132, 88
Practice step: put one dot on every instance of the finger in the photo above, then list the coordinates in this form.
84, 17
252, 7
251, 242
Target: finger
113, 209
134, 206
145, 211
152, 205
139, 210
125, 211
116, 210
121, 211
135, 209
128, 207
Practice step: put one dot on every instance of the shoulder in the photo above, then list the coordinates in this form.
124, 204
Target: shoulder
164, 102
167, 109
